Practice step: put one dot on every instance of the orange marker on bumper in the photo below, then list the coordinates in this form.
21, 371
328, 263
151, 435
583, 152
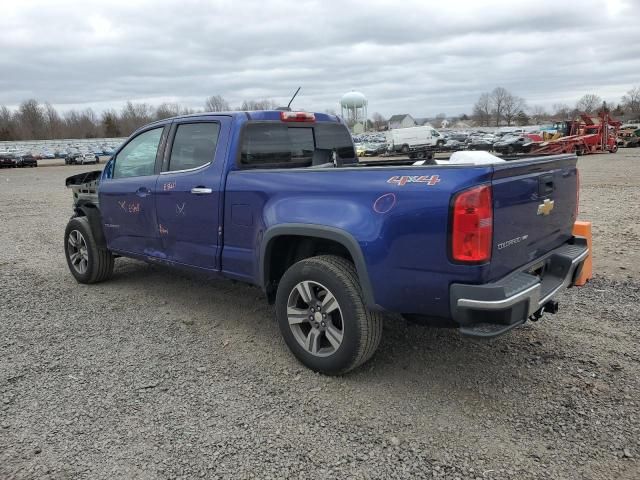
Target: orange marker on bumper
583, 229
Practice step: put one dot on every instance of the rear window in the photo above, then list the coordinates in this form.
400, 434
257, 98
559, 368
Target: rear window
277, 145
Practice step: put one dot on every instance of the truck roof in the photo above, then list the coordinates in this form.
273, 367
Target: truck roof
259, 115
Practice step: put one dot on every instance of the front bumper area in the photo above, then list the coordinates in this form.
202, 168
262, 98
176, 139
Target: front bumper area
495, 308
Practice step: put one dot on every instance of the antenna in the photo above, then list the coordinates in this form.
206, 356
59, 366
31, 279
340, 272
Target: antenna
288, 107
294, 96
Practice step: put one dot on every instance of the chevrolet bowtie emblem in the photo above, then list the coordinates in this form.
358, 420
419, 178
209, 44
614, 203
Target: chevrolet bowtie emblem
545, 207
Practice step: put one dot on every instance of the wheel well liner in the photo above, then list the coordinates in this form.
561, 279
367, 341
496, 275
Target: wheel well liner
92, 213
343, 238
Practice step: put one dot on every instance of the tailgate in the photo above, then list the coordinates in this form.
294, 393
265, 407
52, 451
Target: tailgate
534, 203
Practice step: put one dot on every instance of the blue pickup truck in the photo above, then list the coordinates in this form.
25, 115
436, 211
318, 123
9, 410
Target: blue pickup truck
279, 200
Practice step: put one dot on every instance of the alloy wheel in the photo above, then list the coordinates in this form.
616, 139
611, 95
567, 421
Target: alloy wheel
78, 251
315, 318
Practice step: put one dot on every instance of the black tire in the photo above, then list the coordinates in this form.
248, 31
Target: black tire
440, 143
361, 328
99, 262
613, 149
404, 149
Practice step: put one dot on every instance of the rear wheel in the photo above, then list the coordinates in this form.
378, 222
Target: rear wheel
87, 262
322, 315
405, 149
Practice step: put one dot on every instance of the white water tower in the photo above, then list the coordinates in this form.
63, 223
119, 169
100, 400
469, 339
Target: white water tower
353, 106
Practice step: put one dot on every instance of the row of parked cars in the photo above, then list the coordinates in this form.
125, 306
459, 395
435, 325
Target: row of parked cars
409, 140
9, 160
16, 155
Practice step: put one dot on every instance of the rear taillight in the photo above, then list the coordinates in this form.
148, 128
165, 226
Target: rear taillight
472, 225
297, 117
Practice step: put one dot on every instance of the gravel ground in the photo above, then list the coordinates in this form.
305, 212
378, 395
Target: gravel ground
159, 374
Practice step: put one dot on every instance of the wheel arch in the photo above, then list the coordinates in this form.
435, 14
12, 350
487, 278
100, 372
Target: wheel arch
314, 232
92, 213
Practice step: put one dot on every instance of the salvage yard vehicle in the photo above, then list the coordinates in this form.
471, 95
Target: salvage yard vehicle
24, 161
7, 161
629, 136
513, 144
403, 140
583, 136
279, 200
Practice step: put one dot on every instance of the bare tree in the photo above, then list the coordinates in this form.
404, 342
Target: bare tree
7, 124
499, 96
379, 122
134, 115
538, 113
631, 101
250, 105
167, 110
53, 122
589, 103
561, 111
512, 106
30, 120
111, 124
216, 103
482, 110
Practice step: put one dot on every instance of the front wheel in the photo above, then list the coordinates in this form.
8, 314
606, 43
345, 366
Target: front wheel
87, 262
322, 315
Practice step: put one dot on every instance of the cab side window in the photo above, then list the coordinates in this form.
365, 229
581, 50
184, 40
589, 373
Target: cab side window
138, 157
194, 145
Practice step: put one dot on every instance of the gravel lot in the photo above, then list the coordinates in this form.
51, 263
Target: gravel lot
158, 374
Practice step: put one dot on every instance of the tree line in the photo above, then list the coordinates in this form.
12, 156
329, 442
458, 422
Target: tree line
500, 107
41, 121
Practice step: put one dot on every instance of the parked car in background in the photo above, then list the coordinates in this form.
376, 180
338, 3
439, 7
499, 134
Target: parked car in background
452, 145
88, 158
7, 161
26, 161
72, 157
513, 144
480, 143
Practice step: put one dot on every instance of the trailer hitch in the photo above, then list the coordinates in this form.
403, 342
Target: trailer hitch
550, 307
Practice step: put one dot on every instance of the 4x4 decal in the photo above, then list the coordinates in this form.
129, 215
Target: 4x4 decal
403, 180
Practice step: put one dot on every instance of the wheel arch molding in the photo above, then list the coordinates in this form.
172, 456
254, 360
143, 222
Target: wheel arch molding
92, 213
320, 232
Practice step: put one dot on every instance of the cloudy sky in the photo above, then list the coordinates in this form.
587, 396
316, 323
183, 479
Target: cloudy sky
417, 56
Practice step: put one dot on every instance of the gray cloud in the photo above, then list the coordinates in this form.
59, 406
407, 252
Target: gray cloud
421, 57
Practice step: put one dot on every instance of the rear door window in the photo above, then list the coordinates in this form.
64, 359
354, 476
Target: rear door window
194, 145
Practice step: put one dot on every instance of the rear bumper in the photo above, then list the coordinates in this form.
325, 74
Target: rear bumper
494, 308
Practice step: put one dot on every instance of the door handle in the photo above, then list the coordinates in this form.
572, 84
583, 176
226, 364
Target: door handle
201, 190
143, 192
